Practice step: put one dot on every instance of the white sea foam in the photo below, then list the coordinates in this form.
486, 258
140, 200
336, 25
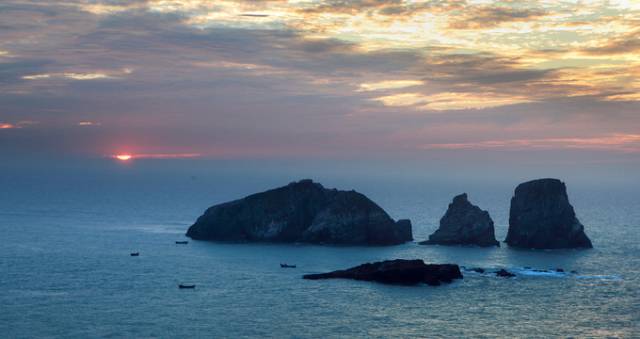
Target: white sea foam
538, 273
613, 277
533, 272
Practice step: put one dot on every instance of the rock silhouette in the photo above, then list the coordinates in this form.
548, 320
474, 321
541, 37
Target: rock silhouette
302, 211
464, 224
541, 217
399, 272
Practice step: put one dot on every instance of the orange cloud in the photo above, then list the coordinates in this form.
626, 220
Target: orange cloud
489, 17
388, 84
19, 124
445, 101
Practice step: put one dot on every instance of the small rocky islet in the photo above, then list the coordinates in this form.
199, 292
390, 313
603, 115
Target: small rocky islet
541, 217
396, 272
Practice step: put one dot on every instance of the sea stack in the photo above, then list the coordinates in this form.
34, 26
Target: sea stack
541, 217
464, 224
302, 211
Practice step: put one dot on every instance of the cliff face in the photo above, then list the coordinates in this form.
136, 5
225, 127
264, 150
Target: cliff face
542, 217
303, 211
464, 224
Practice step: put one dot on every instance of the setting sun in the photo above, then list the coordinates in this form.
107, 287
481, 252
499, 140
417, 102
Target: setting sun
123, 157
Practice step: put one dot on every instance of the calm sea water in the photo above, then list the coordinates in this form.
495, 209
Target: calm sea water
66, 270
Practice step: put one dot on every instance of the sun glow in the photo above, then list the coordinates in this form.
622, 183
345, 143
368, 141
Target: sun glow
123, 157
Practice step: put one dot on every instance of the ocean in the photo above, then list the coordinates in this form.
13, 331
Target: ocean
66, 271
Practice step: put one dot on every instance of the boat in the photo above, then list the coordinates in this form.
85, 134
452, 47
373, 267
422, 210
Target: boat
186, 286
287, 266
182, 242
135, 254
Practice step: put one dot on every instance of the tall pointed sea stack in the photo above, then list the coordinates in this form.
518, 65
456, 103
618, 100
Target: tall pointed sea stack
541, 217
464, 224
302, 211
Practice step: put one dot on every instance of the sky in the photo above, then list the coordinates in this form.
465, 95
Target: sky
552, 81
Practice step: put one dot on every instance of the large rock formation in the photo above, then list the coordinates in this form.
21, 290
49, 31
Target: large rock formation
464, 224
399, 271
542, 217
302, 211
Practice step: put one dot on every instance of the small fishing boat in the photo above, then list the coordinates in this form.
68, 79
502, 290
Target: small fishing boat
182, 242
186, 286
135, 254
287, 266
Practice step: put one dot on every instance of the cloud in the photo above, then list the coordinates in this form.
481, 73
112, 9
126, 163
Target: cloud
77, 75
450, 100
108, 8
482, 17
36, 76
88, 123
257, 77
402, 99
624, 44
388, 84
19, 124
85, 76
480, 69
613, 142
254, 15
11, 71
630, 96
382, 7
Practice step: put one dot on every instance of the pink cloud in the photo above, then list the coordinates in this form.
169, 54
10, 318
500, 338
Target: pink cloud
614, 142
19, 124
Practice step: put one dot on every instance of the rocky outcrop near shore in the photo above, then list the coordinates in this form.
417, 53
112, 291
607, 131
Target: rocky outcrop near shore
398, 272
464, 224
302, 211
541, 217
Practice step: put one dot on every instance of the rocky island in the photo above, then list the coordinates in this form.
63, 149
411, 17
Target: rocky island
464, 224
541, 217
302, 211
398, 272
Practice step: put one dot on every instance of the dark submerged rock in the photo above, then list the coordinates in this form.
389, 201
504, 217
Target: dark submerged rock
464, 224
302, 211
541, 217
398, 272
504, 273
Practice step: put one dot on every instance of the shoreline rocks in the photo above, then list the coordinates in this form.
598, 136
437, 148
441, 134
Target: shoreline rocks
464, 224
541, 217
396, 272
302, 211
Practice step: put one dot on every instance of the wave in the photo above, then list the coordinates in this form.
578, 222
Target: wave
613, 277
540, 273
533, 272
